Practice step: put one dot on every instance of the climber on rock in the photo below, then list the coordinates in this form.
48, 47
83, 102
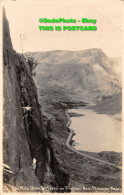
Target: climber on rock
27, 109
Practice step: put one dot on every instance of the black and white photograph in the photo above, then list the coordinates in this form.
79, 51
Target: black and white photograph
61, 96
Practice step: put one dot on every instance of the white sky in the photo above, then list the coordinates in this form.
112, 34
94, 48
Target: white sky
23, 19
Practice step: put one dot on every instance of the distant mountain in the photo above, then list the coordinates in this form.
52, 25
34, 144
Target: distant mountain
87, 74
117, 67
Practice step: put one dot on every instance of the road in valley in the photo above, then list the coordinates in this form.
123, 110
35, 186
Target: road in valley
80, 153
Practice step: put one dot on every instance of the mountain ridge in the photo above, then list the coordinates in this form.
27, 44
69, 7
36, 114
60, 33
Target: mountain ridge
89, 73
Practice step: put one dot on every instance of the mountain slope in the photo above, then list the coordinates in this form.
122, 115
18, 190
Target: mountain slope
67, 79
87, 74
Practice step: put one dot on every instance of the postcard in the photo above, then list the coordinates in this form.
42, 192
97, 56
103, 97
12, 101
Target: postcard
61, 96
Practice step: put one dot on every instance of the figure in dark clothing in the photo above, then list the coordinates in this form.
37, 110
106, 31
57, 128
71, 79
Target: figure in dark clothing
28, 115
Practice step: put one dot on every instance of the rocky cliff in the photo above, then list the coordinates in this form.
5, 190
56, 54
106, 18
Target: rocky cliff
28, 154
24, 132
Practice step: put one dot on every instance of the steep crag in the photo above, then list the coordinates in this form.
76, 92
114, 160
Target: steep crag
24, 132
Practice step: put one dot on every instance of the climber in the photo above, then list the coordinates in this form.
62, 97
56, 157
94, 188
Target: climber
28, 110
28, 107
34, 164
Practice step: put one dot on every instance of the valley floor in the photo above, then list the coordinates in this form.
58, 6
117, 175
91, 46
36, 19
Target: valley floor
84, 174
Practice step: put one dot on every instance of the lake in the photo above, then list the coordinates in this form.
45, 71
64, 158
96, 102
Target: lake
96, 132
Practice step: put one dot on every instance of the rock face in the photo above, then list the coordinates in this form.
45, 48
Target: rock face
26, 138
24, 133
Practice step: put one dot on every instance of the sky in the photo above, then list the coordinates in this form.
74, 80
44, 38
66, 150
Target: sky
23, 20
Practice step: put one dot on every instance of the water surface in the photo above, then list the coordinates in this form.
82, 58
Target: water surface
96, 132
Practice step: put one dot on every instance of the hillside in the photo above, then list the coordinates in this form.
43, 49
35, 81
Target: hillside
86, 75
68, 79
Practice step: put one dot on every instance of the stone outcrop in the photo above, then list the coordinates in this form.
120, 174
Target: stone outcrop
24, 136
